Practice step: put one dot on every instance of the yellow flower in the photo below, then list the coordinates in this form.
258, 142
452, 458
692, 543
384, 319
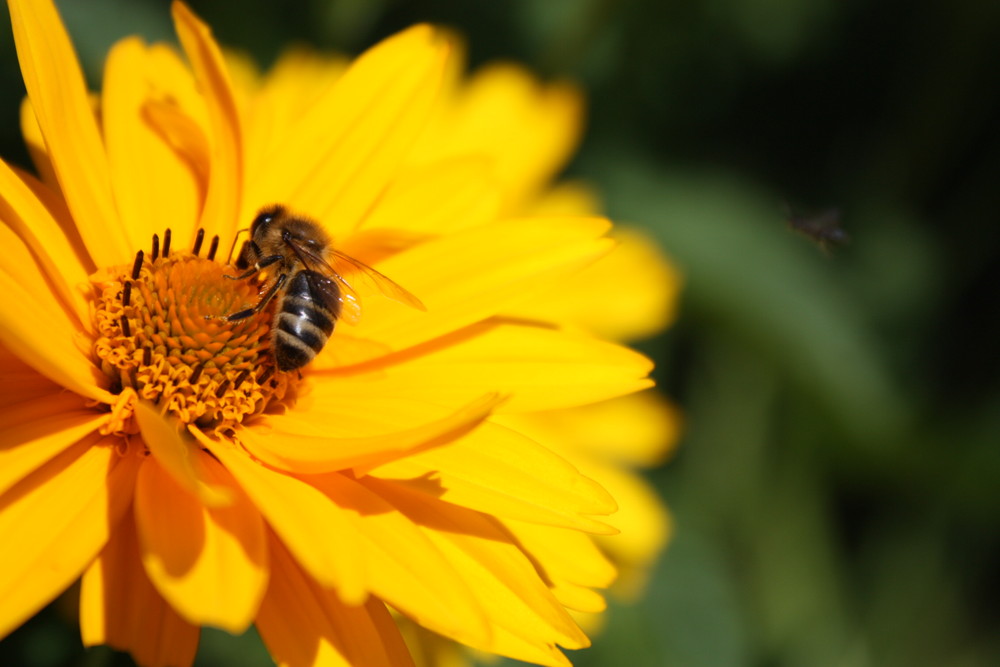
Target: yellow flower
152, 446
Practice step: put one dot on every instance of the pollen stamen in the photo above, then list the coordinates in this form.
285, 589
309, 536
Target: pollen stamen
156, 248
197, 242
126, 293
166, 243
137, 265
213, 247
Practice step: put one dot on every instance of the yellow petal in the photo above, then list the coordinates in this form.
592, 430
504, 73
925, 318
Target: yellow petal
636, 430
294, 84
453, 194
528, 129
294, 509
155, 188
501, 473
465, 277
20, 382
539, 368
59, 97
209, 563
630, 293
27, 217
29, 307
286, 447
302, 624
514, 597
56, 521
404, 568
178, 454
571, 561
121, 608
339, 157
36, 430
219, 215
35, 143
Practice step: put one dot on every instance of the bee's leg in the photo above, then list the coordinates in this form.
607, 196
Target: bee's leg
266, 261
264, 300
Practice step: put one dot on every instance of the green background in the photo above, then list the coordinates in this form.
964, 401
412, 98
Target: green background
837, 488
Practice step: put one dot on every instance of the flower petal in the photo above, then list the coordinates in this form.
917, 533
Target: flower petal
570, 561
302, 446
120, 607
209, 563
59, 97
294, 509
499, 472
30, 220
36, 430
471, 275
453, 194
178, 454
225, 181
635, 285
155, 187
514, 597
342, 153
52, 539
302, 624
29, 307
404, 568
539, 368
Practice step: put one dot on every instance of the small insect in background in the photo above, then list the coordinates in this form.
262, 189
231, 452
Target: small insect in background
310, 279
823, 228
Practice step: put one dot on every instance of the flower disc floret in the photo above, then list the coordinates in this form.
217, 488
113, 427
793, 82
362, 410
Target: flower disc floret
164, 336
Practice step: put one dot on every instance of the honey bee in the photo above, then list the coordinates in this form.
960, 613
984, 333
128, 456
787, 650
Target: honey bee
309, 281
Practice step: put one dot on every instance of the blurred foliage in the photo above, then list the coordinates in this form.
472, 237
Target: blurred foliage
836, 494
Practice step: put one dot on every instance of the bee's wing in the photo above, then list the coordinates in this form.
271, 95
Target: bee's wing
366, 275
343, 265
328, 289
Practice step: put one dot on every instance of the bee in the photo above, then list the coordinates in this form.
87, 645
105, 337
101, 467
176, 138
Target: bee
824, 228
308, 280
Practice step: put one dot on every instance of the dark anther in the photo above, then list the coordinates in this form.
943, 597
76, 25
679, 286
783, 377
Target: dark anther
134, 377
126, 293
126, 329
137, 266
266, 375
197, 373
156, 247
240, 378
166, 243
197, 241
147, 356
222, 389
213, 247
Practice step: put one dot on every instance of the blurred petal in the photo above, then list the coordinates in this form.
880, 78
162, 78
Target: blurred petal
120, 607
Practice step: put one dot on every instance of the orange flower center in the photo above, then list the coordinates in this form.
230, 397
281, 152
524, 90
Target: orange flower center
163, 337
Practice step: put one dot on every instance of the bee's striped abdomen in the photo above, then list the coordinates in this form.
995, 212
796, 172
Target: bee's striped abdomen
304, 319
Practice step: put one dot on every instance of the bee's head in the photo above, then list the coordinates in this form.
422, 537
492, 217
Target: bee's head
264, 219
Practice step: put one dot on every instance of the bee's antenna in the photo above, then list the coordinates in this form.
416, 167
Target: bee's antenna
229, 257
